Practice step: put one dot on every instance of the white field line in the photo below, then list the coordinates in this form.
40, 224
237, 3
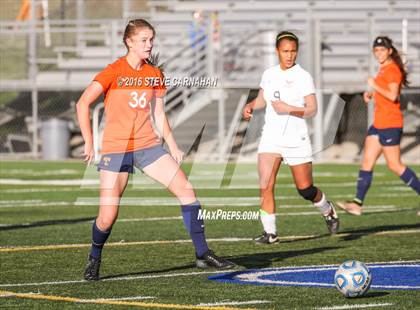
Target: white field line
24, 201
90, 182
360, 306
31, 172
235, 303
211, 202
42, 204
203, 175
45, 190
171, 275
373, 209
207, 202
8, 249
398, 187
74, 182
128, 278
93, 185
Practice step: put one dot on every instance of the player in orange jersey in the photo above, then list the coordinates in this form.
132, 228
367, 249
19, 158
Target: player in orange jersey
385, 134
134, 95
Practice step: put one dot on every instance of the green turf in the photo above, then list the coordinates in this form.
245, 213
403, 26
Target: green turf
39, 214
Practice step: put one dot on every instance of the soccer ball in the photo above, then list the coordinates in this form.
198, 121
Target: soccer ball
352, 278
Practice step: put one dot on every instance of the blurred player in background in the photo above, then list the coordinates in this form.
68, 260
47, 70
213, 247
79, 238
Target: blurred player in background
384, 135
134, 92
288, 93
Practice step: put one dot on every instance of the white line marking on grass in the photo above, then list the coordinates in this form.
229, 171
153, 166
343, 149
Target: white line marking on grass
113, 244
215, 176
129, 278
170, 275
41, 204
372, 209
32, 172
355, 306
116, 244
171, 218
78, 182
211, 202
45, 190
235, 303
216, 201
90, 182
27, 201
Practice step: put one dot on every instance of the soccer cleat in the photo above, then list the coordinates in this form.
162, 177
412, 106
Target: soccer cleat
350, 207
92, 268
209, 259
332, 220
267, 238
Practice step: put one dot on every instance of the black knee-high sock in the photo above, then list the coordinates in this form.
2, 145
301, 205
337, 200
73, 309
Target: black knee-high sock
99, 238
195, 227
409, 177
363, 184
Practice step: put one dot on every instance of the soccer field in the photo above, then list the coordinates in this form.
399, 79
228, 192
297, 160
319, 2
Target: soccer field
148, 262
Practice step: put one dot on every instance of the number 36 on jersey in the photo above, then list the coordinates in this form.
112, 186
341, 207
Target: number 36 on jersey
138, 101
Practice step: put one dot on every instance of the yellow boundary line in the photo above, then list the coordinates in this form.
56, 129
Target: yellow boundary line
117, 244
113, 302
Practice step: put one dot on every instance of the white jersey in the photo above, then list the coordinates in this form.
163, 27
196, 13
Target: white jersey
290, 86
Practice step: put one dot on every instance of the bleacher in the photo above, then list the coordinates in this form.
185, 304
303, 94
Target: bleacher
336, 39
344, 34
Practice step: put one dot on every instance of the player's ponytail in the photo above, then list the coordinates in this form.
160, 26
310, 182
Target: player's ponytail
396, 57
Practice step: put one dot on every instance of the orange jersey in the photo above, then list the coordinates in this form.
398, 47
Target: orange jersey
387, 113
128, 94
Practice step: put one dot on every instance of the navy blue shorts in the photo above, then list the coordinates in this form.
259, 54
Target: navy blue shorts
387, 136
125, 162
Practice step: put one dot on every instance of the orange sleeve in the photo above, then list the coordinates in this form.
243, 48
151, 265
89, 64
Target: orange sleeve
393, 75
105, 77
160, 89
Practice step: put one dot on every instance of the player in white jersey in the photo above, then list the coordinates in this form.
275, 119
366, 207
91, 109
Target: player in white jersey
288, 94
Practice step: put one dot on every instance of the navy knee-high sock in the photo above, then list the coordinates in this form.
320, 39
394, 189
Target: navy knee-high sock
363, 184
99, 238
409, 177
195, 227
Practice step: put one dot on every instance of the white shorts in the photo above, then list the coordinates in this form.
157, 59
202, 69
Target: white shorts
292, 156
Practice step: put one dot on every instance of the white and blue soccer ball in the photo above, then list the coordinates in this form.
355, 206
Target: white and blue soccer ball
352, 278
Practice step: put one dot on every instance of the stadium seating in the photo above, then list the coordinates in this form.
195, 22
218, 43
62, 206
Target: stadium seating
247, 30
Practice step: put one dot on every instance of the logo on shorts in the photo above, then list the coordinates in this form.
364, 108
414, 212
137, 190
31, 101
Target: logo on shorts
388, 140
106, 161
